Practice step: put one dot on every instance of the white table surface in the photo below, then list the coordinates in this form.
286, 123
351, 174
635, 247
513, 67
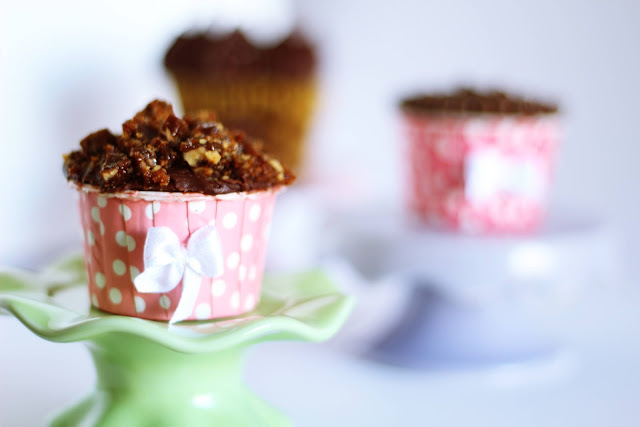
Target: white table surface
596, 382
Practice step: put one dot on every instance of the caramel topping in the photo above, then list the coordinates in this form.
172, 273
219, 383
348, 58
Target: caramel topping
157, 151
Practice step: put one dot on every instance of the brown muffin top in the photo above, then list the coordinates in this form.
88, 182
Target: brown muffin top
157, 151
469, 101
233, 53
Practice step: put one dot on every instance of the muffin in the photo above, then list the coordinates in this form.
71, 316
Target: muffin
268, 91
480, 162
176, 215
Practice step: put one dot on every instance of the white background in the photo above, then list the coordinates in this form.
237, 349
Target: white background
68, 68
72, 67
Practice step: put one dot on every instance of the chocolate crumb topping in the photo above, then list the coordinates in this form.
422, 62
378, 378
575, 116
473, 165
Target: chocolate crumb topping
233, 53
158, 151
469, 101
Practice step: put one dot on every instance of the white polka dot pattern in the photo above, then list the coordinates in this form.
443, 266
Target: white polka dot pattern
254, 212
123, 239
95, 214
233, 260
125, 211
235, 300
218, 288
152, 209
203, 311
140, 304
229, 220
252, 272
119, 267
115, 232
133, 272
197, 207
100, 280
250, 302
165, 302
247, 243
115, 296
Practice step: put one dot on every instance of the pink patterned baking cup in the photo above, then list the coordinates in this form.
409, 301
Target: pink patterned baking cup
116, 227
480, 173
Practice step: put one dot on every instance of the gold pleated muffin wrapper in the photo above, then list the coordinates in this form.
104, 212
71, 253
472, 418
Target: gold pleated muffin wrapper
276, 110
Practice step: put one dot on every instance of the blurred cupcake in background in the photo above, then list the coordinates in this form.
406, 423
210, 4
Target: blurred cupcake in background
480, 162
267, 90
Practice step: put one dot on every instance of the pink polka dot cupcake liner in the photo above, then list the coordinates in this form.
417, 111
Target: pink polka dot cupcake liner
174, 256
486, 174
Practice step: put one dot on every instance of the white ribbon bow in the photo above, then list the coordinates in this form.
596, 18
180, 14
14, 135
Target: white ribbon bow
166, 262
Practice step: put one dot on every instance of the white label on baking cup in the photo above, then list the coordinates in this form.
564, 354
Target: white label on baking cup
488, 172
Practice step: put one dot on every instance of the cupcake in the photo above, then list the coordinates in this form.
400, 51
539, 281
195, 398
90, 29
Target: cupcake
268, 91
480, 162
176, 215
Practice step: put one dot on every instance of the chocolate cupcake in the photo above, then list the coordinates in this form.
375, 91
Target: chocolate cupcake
269, 91
480, 161
176, 214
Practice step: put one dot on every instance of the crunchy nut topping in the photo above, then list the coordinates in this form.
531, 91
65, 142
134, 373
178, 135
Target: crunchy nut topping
278, 167
108, 174
158, 151
204, 171
197, 156
160, 177
193, 157
213, 156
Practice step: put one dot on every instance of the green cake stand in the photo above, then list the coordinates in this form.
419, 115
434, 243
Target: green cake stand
155, 374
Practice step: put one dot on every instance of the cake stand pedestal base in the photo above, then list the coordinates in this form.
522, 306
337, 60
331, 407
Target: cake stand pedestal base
156, 374
143, 383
